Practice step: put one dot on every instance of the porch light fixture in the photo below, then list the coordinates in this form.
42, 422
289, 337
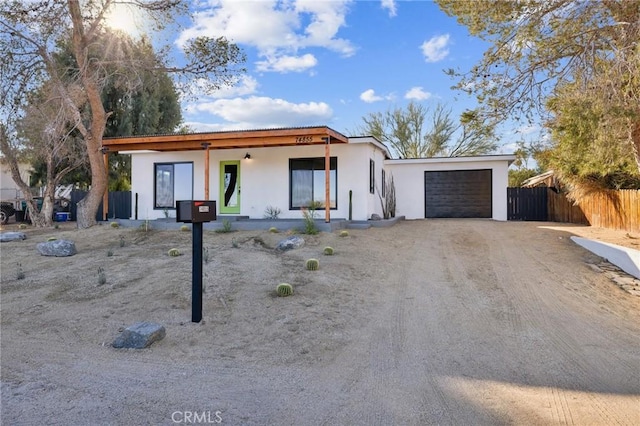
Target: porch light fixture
247, 156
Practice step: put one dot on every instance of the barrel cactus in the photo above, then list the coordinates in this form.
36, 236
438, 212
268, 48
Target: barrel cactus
174, 252
328, 251
184, 228
344, 233
273, 230
313, 264
115, 225
284, 290
51, 239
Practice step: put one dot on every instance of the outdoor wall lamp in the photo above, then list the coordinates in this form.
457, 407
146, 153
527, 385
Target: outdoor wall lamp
247, 156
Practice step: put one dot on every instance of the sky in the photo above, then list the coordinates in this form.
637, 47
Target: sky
332, 62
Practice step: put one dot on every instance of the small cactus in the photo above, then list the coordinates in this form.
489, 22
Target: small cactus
102, 277
284, 289
273, 230
174, 252
114, 224
122, 241
109, 253
184, 228
22, 226
51, 239
328, 251
312, 264
344, 233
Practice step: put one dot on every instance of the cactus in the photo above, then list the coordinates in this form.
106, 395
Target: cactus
109, 253
328, 251
51, 239
174, 252
102, 276
184, 228
284, 289
344, 233
273, 230
22, 226
114, 225
19, 271
312, 264
121, 240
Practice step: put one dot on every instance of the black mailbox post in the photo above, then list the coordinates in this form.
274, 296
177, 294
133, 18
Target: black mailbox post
196, 213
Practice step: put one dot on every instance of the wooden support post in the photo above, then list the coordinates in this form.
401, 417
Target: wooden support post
205, 145
327, 181
105, 196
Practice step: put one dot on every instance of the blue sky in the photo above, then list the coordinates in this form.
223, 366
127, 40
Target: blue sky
331, 62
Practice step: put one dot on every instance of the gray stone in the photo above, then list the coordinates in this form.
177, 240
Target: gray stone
12, 236
58, 248
290, 243
375, 216
140, 335
594, 267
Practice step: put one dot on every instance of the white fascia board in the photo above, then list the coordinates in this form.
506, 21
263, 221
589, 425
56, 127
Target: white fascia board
475, 159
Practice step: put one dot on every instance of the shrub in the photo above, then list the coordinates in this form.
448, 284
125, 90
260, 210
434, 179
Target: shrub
121, 240
109, 253
312, 264
309, 216
115, 225
328, 251
271, 212
226, 227
174, 252
344, 233
284, 290
184, 228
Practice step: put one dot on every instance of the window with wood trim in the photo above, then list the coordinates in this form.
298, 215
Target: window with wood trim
307, 183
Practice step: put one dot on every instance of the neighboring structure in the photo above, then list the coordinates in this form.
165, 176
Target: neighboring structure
247, 172
8, 188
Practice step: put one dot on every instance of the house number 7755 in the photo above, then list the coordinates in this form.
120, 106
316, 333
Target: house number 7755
304, 139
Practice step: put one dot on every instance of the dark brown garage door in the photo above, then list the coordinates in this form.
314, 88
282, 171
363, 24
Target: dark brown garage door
458, 193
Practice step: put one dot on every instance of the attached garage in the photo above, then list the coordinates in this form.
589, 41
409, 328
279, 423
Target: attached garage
458, 193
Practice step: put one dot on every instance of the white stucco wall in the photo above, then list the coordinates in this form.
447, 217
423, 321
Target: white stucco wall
264, 179
8, 188
408, 176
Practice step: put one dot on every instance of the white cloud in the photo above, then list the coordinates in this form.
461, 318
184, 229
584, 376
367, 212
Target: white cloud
417, 93
245, 85
369, 96
436, 48
256, 112
287, 63
391, 6
277, 29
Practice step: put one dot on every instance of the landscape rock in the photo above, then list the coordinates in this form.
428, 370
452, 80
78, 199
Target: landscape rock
57, 248
290, 243
12, 236
375, 216
140, 335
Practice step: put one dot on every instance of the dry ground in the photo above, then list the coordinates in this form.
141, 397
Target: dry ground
426, 322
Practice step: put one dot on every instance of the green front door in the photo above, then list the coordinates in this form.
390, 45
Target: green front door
229, 187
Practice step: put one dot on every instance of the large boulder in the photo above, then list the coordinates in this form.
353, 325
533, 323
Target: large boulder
140, 335
290, 243
12, 236
58, 248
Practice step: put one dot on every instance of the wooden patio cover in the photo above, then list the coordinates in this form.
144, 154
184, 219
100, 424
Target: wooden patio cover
227, 140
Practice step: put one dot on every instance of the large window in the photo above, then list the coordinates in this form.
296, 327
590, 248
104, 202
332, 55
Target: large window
173, 181
307, 182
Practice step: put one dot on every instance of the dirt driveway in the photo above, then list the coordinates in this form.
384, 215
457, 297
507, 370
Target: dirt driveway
427, 322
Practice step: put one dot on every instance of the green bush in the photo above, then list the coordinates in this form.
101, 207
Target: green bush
284, 290
312, 264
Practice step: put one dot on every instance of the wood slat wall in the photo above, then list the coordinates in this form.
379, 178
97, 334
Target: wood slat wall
614, 209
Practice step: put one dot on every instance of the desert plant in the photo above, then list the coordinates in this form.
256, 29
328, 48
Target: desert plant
56, 226
284, 290
273, 230
328, 251
109, 253
145, 226
184, 228
271, 212
19, 271
388, 201
312, 264
174, 252
344, 233
121, 240
235, 243
51, 239
102, 276
205, 255
226, 227
114, 225
309, 216
22, 226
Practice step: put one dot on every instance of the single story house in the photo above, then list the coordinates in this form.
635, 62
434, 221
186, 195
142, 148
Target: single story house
249, 173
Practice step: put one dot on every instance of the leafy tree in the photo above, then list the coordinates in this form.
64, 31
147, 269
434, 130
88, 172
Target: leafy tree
30, 38
404, 131
546, 59
520, 170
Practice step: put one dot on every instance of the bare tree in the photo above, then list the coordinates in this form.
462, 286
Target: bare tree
30, 36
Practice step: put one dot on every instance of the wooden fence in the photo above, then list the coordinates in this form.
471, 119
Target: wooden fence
613, 209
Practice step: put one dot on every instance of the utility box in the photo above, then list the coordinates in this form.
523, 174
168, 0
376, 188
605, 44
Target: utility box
192, 211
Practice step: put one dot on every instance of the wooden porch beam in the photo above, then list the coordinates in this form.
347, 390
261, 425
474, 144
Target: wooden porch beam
105, 196
205, 145
327, 181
